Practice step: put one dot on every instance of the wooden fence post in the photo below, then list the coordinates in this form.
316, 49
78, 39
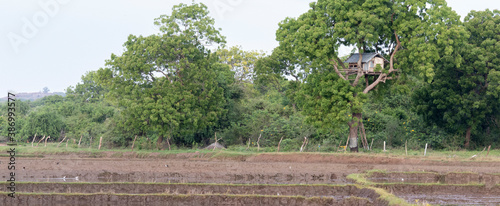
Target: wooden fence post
133, 143
80, 141
34, 138
100, 141
371, 145
61, 141
40, 141
406, 147
258, 140
46, 140
279, 143
425, 151
216, 140
304, 144
249, 140
90, 144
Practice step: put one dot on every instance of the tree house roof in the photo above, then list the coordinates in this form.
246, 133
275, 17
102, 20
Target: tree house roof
366, 57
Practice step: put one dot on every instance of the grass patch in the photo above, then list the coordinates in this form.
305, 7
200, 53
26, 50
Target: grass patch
427, 184
188, 184
359, 179
172, 195
362, 179
390, 198
470, 173
230, 155
22, 155
241, 152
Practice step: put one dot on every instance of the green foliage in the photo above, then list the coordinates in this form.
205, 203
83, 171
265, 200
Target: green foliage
43, 122
171, 85
168, 83
309, 46
391, 118
329, 101
459, 99
242, 62
290, 145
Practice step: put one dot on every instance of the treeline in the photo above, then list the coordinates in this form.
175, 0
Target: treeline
183, 86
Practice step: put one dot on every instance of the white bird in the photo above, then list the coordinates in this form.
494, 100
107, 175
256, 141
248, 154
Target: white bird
402, 179
76, 178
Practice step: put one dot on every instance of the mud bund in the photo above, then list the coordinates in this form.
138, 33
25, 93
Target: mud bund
442, 189
189, 194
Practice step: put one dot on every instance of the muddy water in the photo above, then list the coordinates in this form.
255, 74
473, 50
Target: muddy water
403, 180
174, 200
453, 199
182, 194
175, 177
448, 178
336, 192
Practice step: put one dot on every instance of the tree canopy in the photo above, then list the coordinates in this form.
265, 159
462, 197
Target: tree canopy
439, 82
461, 97
408, 32
168, 83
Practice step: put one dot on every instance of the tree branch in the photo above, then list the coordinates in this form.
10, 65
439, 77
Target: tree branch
360, 70
398, 45
382, 77
166, 75
335, 66
338, 60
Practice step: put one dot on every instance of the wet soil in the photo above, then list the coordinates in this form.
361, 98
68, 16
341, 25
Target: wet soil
261, 169
446, 194
433, 177
174, 200
337, 192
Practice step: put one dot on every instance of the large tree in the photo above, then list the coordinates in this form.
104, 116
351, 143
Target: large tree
463, 97
406, 32
242, 62
168, 83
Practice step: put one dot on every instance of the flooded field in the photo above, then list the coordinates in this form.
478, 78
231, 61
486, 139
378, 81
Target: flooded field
440, 189
433, 177
266, 179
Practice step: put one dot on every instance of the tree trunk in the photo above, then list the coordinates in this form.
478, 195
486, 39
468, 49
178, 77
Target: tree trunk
467, 138
159, 142
168, 142
353, 132
133, 143
363, 133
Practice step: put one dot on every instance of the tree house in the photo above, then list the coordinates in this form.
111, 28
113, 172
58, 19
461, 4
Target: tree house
369, 62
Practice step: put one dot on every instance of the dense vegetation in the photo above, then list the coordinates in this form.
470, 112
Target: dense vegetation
183, 86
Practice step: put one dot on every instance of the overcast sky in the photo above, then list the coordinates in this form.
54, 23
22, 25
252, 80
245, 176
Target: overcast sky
52, 43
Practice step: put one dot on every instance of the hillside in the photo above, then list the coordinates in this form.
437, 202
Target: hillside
33, 96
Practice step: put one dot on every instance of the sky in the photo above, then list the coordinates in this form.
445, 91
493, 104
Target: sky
52, 43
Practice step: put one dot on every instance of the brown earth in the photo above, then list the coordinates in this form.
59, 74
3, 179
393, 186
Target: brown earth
200, 168
446, 194
174, 200
335, 191
292, 168
489, 180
